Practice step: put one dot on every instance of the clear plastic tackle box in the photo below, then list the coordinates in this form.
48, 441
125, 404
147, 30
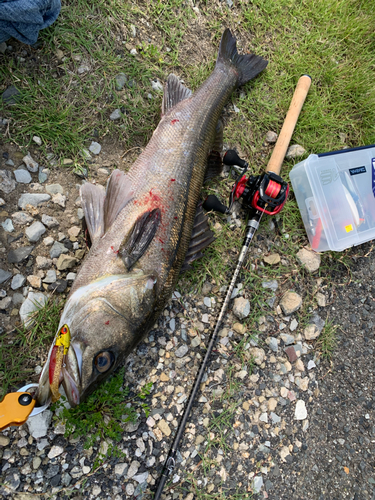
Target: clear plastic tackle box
336, 196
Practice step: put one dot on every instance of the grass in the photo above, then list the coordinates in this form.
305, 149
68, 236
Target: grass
327, 340
22, 350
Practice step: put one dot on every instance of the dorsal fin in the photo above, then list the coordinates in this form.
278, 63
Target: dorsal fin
119, 193
174, 92
92, 196
201, 237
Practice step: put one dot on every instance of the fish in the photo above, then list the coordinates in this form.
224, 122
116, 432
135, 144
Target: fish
145, 228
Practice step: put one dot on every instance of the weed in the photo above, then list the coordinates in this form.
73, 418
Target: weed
327, 340
102, 415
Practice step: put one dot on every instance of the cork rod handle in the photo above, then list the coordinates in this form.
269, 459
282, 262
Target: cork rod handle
281, 146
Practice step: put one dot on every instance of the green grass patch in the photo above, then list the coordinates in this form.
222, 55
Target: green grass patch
21, 350
327, 340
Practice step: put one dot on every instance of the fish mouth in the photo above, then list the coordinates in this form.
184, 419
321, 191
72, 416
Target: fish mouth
69, 376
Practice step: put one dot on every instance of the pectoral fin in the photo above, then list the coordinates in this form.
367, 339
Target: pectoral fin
140, 237
92, 197
119, 193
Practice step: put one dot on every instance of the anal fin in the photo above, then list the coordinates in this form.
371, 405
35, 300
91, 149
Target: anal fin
140, 237
201, 238
92, 196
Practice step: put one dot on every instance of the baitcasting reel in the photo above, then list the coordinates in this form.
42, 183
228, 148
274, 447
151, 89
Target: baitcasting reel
266, 192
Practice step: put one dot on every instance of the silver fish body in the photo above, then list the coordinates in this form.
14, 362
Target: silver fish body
112, 306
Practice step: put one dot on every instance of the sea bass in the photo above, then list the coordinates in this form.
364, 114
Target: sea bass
142, 228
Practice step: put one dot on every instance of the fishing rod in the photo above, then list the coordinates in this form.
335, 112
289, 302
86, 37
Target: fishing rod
266, 193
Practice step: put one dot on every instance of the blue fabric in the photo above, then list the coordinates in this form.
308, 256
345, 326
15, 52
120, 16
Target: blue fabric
23, 19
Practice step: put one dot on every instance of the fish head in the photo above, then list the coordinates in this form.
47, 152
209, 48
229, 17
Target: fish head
105, 319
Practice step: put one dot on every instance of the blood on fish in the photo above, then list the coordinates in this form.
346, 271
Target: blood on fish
107, 322
175, 217
161, 241
172, 180
174, 121
114, 251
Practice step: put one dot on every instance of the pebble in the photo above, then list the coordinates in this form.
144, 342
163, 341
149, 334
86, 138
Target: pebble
22, 176
115, 115
293, 325
71, 276
120, 81
258, 355
300, 411
37, 140
182, 351
157, 85
2, 202
49, 221
4, 275
50, 276
35, 231
5, 303
33, 301
54, 189
272, 285
164, 427
21, 218
35, 281
31, 164
95, 148
207, 301
295, 151
43, 262
48, 241
271, 137
121, 469
11, 95
272, 343
83, 68
8, 225
290, 302
17, 281
8, 184
133, 469
57, 249
309, 259
59, 199
241, 308
55, 451
311, 332
19, 254
272, 259
311, 365
38, 425
33, 199
287, 339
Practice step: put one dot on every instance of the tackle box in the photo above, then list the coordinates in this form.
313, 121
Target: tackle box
336, 196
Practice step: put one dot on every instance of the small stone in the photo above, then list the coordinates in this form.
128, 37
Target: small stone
291, 353
272, 259
257, 354
275, 418
49, 221
311, 365
3, 47
304, 384
37, 140
4, 275
66, 262
164, 427
311, 332
290, 302
120, 81
35, 281
11, 95
121, 469
19, 254
182, 351
321, 299
35, 231
2, 202
309, 259
295, 151
31, 164
17, 281
300, 411
7, 184
57, 249
287, 339
34, 301
21, 218
83, 68
293, 325
22, 176
43, 262
264, 417
48, 241
43, 175
39, 424
299, 365
257, 484
207, 301
55, 451
71, 276
54, 189
95, 148
8, 225
157, 85
272, 343
133, 469
59, 199
141, 478
33, 199
74, 231
271, 137
115, 115
5, 303
272, 285
50, 276
241, 308
164, 377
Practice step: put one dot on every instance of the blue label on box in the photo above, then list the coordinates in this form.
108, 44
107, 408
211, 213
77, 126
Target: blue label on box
373, 175
357, 170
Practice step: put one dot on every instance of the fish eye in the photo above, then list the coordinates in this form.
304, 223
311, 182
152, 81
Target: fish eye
103, 361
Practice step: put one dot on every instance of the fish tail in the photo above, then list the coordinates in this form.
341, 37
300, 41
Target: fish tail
246, 67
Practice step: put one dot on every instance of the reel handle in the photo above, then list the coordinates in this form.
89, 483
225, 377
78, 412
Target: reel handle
282, 143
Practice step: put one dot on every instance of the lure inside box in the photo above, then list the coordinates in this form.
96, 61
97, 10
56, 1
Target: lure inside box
336, 196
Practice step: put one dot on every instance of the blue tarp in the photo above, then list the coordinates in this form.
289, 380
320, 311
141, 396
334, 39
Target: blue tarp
23, 19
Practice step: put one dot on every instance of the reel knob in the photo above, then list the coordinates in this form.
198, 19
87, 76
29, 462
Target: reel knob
213, 203
231, 158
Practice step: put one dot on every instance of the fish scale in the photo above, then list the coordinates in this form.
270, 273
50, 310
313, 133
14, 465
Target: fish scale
110, 308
